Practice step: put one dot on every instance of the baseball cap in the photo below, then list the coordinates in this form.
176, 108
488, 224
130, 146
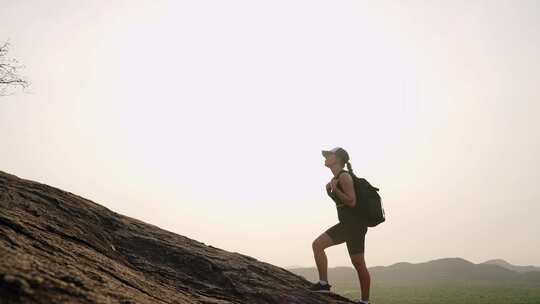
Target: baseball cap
339, 152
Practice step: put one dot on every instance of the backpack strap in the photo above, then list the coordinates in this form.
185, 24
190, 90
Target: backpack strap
339, 173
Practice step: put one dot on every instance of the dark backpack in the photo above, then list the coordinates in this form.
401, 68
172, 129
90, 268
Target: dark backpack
368, 208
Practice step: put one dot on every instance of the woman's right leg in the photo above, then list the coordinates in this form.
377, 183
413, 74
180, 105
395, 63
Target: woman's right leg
320, 244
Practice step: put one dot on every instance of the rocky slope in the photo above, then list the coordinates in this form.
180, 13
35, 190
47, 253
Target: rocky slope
58, 247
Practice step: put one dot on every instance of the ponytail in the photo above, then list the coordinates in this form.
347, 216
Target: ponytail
349, 167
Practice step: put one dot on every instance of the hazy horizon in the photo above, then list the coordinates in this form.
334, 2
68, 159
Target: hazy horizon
207, 119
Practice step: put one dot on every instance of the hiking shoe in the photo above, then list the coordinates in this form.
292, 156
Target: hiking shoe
318, 287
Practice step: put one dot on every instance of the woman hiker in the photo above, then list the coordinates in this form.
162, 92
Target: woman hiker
348, 229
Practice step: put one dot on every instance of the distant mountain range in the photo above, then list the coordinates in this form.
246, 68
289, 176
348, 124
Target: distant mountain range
507, 265
440, 271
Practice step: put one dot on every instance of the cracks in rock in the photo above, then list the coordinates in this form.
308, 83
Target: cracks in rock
127, 283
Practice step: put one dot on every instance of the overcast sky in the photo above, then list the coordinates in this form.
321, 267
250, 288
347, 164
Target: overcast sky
207, 118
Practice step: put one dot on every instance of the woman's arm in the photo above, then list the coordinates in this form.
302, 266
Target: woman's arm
347, 196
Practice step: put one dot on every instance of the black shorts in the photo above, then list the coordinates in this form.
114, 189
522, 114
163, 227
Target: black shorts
353, 234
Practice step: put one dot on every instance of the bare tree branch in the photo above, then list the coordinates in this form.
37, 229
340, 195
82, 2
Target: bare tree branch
9, 72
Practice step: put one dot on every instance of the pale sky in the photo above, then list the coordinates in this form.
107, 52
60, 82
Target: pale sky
207, 118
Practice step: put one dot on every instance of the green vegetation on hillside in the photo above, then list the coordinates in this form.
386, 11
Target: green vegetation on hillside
449, 294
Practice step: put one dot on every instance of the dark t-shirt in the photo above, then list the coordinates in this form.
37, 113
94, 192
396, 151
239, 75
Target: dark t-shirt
345, 213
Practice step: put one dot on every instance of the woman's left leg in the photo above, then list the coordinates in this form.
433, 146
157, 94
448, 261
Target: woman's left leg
363, 274
355, 246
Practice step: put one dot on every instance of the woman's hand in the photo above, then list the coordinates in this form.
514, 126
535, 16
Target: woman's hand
329, 186
333, 184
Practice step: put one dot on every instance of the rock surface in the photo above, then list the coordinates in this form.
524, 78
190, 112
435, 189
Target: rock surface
58, 247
